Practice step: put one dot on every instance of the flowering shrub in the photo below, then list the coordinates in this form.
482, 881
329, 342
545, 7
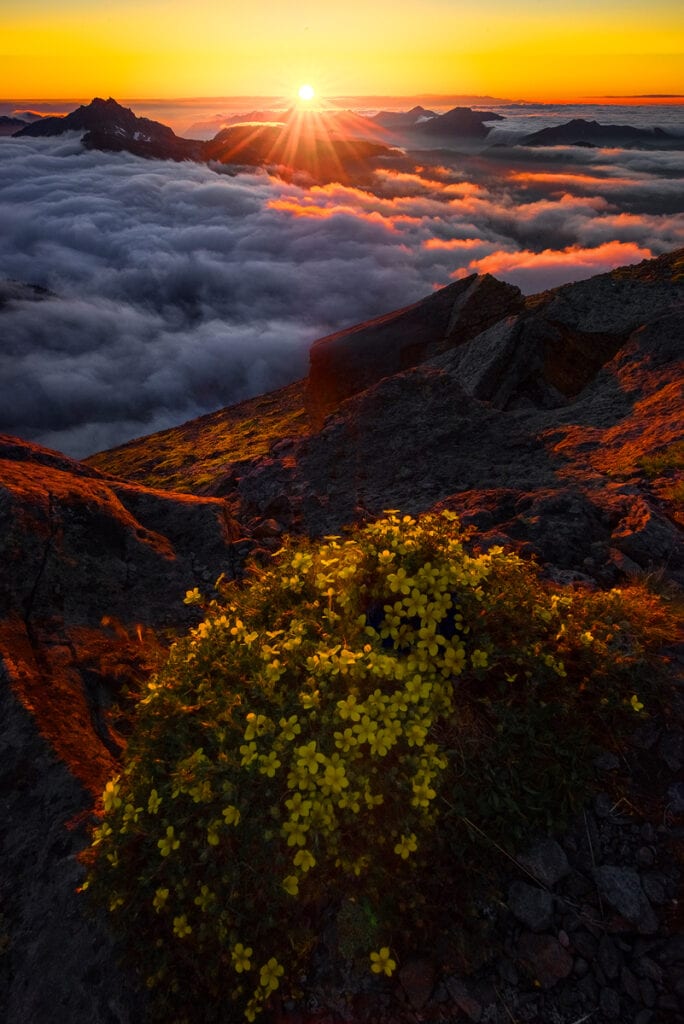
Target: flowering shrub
327, 728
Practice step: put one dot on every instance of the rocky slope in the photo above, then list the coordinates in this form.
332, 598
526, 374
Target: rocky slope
557, 428
89, 568
553, 423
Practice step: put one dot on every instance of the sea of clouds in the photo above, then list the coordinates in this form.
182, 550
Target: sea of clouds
175, 289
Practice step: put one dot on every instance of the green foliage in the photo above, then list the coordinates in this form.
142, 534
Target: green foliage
313, 748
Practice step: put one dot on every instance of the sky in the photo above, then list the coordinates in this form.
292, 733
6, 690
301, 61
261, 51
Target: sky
515, 49
175, 290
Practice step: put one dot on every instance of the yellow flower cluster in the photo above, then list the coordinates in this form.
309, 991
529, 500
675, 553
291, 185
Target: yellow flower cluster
295, 747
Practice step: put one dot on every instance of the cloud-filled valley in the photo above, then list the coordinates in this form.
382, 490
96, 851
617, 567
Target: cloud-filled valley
174, 289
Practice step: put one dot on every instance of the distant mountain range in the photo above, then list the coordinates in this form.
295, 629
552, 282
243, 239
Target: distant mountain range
326, 145
579, 132
302, 143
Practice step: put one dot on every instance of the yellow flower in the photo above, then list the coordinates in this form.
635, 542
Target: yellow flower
205, 898
382, 962
192, 596
365, 729
636, 703
348, 709
160, 898
270, 974
298, 806
257, 725
131, 813
422, 794
241, 957
249, 753
269, 763
181, 928
110, 797
231, 815
252, 1009
335, 776
154, 802
309, 758
291, 885
479, 659
290, 728
169, 842
344, 741
406, 846
304, 859
295, 832
212, 834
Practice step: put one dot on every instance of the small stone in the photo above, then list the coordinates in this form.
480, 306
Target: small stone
546, 861
644, 1017
584, 944
533, 907
609, 957
580, 967
630, 985
545, 958
654, 889
417, 979
645, 857
621, 887
647, 968
564, 938
603, 805
463, 999
609, 1002
647, 832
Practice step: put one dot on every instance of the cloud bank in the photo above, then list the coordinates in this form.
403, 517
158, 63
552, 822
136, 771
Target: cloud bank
175, 290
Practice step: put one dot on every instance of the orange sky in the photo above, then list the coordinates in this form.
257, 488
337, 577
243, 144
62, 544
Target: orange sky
170, 48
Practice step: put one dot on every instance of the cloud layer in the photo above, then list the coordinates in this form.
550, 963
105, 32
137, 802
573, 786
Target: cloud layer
176, 290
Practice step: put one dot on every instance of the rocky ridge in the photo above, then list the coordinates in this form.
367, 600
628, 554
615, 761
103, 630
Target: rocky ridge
554, 425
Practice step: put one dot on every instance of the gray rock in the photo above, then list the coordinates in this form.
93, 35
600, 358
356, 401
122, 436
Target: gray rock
546, 861
653, 887
545, 958
532, 906
621, 887
465, 1001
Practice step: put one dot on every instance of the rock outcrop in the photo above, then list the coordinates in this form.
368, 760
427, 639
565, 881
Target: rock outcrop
352, 360
89, 565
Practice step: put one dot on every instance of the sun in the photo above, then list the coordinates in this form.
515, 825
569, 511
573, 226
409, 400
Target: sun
306, 93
